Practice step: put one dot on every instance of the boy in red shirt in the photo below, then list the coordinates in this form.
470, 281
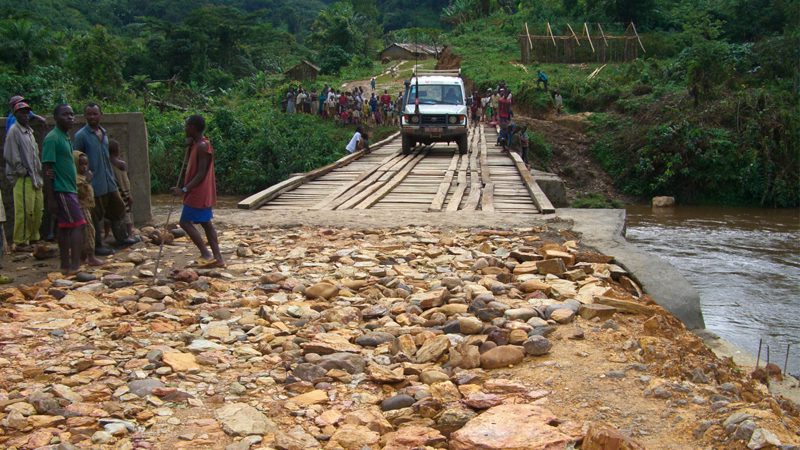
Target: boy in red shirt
199, 192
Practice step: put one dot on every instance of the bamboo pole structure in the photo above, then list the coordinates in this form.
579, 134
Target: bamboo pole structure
550, 30
602, 34
586, 28
528, 33
574, 35
637, 37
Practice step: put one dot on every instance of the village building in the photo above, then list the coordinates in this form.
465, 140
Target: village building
400, 51
303, 71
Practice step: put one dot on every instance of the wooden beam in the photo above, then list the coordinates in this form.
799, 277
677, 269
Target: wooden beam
550, 30
586, 27
484, 159
637, 37
444, 186
602, 34
352, 188
256, 200
574, 35
259, 198
487, 199
391, 183
537, 195
373, 184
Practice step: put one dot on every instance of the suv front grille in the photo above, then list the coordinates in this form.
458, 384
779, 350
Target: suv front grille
434, 119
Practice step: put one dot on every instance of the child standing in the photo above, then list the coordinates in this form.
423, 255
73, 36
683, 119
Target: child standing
123, 182
199, 192
86, 200
3, 279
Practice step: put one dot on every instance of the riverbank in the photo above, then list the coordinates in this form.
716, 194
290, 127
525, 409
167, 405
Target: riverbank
424, 333
744, 262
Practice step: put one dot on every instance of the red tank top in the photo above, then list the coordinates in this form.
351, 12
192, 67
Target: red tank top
204, 195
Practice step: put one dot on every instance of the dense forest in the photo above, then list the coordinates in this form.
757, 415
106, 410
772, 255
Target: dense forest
714, 102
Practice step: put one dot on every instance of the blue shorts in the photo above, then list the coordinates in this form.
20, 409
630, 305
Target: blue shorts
196, 215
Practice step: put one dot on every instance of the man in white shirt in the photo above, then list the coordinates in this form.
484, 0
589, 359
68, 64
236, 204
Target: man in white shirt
358, 141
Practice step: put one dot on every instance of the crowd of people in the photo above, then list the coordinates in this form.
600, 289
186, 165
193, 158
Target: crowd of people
77, 191
353, 107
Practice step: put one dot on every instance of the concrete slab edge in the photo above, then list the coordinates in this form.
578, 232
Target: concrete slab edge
604, 230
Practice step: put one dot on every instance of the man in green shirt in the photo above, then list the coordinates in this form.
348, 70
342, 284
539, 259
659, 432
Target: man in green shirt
61, 189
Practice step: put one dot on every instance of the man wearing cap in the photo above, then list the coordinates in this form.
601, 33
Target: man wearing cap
24, 172
12, 119
92, 139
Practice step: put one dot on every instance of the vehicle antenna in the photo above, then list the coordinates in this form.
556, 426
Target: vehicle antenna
416, 75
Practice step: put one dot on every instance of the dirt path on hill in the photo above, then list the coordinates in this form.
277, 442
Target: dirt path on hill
572, 155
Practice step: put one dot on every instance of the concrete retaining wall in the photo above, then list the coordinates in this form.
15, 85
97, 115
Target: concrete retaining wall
131, 132
604, 229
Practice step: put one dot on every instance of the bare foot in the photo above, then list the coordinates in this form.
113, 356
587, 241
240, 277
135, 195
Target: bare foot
93, 261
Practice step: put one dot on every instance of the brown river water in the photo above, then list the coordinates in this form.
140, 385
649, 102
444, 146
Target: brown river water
744, 262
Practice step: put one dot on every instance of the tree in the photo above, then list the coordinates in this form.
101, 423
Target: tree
95, 61
332, 59
336, 25
25, 45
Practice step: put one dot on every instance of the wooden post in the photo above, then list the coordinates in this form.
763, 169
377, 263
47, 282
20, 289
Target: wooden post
574, 35
586, 28
528, 33
637, 37
550, 30
602, 34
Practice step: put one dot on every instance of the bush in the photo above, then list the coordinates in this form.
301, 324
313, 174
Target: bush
539, 150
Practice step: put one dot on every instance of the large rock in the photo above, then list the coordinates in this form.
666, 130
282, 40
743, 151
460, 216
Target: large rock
602, 312
551, 266
295, 439
601, 436
511, 427
428, 300
310, 398
374, 339
180, 362
349, 362
322, 289
537, 345
502, 356
82, 300
414, 436
242, 419
433, 349
354, 437
328, 343
663, 202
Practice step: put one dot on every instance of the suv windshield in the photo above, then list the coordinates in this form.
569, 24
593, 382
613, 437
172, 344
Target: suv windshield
436, 94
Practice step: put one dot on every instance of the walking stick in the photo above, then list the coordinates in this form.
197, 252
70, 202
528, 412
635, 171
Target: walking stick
169, 216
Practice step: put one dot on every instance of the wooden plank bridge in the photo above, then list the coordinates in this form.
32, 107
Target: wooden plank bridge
430, 178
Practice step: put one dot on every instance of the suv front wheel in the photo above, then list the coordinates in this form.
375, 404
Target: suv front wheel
463, 144
407, 144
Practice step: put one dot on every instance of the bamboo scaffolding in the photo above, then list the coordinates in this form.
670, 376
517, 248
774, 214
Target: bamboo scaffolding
586, 28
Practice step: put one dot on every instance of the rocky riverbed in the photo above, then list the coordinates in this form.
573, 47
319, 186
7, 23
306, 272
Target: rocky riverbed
403, 338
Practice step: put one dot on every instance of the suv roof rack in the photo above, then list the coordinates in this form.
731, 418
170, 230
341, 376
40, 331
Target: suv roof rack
434, 72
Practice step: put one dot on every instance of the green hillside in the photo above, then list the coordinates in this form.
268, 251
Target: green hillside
710, 113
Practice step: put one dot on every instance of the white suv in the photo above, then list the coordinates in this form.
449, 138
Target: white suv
435, 110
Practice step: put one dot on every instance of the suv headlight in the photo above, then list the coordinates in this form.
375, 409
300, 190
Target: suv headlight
453, 120
414, 119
